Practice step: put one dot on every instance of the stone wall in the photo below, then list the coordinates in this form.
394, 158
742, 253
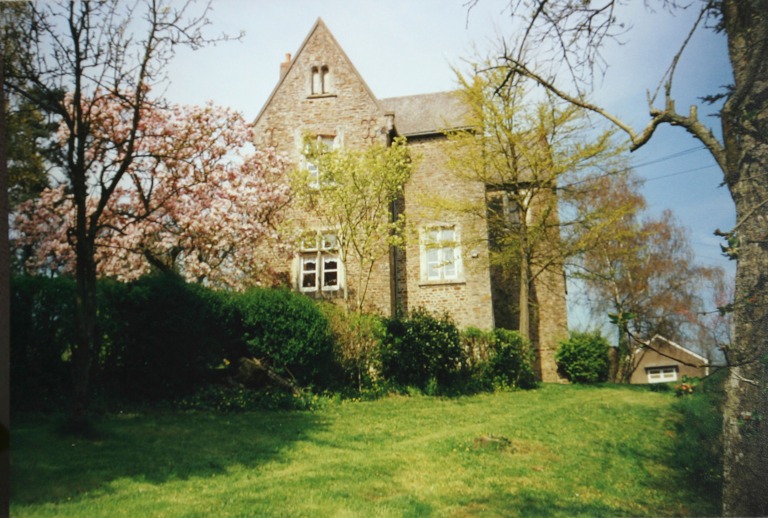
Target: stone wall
468, 299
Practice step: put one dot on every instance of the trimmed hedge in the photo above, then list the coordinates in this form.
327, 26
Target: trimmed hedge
42, 334
161, 338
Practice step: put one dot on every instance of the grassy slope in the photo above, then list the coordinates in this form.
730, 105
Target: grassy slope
573, 451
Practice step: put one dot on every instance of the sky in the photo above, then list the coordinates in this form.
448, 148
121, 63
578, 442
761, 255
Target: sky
406, 47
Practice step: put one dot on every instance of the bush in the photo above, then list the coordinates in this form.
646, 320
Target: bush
356, 339
583, 358
511, 362
160, 337
422, 351
286, 330
42, 334
499, 359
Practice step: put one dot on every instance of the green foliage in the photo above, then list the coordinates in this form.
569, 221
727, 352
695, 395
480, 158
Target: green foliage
284, 329
352, 193
511, 363
423, 351
583, 358
356, 341
159, 337
498, 359
42, 333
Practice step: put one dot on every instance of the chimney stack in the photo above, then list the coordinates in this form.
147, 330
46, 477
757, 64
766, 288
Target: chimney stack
285, 64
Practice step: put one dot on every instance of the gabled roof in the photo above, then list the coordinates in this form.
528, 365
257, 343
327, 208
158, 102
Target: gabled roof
319, 25
677, 346
426, 114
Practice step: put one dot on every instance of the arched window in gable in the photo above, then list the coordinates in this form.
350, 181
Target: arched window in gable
320, 84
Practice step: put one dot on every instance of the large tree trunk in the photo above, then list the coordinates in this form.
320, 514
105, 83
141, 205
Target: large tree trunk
745, 131
85, 320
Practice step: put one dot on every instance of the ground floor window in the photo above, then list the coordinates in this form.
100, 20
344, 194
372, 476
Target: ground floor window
661, 374
319, 264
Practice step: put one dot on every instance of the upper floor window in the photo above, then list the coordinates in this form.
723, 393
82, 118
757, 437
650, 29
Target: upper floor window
324, 143
320, 80
319, 267
440, 254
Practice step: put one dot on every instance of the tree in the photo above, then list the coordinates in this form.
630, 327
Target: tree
91, 49
642, 273
576, 32
27, 127
353, 194
537, 171
195, 200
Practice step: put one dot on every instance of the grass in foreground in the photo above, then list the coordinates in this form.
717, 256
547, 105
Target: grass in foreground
556, 451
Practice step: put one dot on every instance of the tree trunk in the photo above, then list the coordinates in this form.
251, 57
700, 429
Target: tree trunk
745, 132
524, 317
85, 326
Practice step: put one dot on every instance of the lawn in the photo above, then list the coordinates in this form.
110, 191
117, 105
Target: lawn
555, 451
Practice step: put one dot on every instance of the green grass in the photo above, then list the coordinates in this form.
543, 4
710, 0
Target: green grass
569, 451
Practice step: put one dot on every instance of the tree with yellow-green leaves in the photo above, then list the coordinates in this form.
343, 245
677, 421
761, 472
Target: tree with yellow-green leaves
539, 170
352, 192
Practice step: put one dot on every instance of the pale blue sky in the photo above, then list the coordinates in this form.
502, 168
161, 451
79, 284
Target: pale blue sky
404, 47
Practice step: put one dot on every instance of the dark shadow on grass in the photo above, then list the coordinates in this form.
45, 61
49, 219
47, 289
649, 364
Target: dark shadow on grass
152, 447
531, 502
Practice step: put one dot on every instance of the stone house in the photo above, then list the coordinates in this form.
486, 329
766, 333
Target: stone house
664, 361
320, 93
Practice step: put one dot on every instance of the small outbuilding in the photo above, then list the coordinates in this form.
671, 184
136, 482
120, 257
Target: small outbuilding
663, 361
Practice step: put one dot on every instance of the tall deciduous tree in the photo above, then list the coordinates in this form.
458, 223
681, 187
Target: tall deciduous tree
90, 49
352, 193
642, 273
537, 169
576, 33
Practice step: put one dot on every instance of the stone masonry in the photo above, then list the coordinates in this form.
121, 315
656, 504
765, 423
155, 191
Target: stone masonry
320, 93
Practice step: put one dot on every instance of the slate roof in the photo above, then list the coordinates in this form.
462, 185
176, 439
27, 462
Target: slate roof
425, 114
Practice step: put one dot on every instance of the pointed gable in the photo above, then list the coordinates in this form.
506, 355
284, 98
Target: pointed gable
319, 92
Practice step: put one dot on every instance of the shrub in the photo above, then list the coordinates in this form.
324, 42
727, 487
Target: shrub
284, 329
511, 362
499, 359
583, 358
422, 351
160, 337
42, 334
356, 341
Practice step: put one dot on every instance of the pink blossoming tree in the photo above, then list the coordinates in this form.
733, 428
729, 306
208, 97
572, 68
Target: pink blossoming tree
196, 200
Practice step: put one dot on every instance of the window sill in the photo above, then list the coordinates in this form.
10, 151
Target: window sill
442, 282
320, 96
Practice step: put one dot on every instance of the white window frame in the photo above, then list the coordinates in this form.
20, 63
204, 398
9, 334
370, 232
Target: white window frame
321, 251
665, 374
441, 259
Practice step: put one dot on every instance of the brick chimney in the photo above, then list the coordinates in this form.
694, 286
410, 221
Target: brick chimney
285, 64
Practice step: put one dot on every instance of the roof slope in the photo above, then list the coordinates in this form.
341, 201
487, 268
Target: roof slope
426, 114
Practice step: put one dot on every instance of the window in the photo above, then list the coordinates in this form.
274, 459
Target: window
441, 254
661, 374
319, 265
320, 80
325, 143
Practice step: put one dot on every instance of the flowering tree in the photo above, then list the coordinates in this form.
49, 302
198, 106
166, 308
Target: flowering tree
192, 201
91, 50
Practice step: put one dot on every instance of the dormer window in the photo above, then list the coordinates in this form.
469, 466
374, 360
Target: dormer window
320, 80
